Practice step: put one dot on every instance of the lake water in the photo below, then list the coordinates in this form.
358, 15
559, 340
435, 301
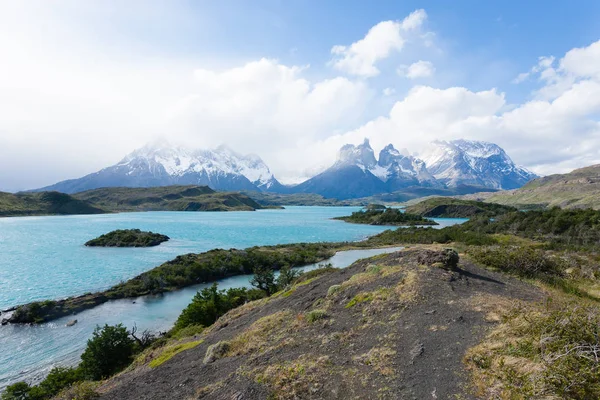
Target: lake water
44, 258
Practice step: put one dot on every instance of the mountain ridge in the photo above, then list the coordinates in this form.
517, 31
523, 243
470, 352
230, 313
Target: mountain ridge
356, 173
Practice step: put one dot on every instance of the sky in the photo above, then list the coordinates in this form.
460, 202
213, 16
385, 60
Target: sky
83, 83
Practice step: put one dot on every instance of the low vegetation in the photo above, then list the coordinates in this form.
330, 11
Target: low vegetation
185, 270
128, 238
386, 216
547, 350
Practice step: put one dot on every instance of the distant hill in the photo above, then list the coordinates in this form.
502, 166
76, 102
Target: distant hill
119, 199
44, 203
168, 198
577, 189
445, 207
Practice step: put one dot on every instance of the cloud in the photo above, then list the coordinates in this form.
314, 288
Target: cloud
419, 69
552, 133
544, 67
73, 101
380, 42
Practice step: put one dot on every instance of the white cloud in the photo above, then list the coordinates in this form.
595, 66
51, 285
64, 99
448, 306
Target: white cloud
70, 105
414, 20
522, 77
548, 134
419, 69
382, 40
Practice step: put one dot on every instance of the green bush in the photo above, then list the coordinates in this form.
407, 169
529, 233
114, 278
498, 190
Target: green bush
286, 276
17, 391
264, 279
525, 262
58, 379
315, 315
108, 351
210, 303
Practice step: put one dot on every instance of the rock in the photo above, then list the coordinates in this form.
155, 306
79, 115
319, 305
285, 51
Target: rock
72, 322
216, 351
417, 351
451, 259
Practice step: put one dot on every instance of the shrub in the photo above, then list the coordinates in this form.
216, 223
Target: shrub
315, 315
525, 262
333, 289
17, 391
264, 279
108, 351
210, 303
286, 276
79, 391
216, 351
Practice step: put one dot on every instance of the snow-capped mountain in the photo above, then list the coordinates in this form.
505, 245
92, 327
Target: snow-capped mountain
400, 170
349, 177
357, 173
476, 163
159, 164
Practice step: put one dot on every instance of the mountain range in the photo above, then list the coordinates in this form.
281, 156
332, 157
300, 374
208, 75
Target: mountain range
356, 172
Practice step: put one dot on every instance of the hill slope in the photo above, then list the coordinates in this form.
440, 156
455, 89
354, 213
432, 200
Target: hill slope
577, 189
444, 207
392, 327
168, 198
44, 203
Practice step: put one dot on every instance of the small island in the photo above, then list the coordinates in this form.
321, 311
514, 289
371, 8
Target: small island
386, 216
128, 238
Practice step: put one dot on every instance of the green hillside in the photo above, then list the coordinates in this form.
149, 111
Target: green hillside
168, 198
44, 203
445, 207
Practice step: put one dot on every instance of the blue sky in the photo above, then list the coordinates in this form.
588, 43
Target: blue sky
84, 83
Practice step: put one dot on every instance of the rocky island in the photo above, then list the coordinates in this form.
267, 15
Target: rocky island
128, 238
386, 216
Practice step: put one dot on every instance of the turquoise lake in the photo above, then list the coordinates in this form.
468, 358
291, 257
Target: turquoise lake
44, 258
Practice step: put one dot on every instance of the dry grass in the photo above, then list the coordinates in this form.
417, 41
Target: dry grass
263, 334
379, 358
296, 379
537, 351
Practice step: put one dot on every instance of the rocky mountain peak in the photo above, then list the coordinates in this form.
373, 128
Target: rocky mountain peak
361, 155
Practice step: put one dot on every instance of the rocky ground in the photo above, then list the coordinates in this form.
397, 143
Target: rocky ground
395, 326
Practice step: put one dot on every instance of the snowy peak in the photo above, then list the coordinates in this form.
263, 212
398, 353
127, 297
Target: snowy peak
160, 164
361, 155
477, 163
401, 167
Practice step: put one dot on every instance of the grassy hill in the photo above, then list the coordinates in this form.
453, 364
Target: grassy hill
120, 199
445, 207
577, 189
44, 203
168, 198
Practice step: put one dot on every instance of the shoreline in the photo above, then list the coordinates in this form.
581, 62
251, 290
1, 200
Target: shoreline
50, 310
